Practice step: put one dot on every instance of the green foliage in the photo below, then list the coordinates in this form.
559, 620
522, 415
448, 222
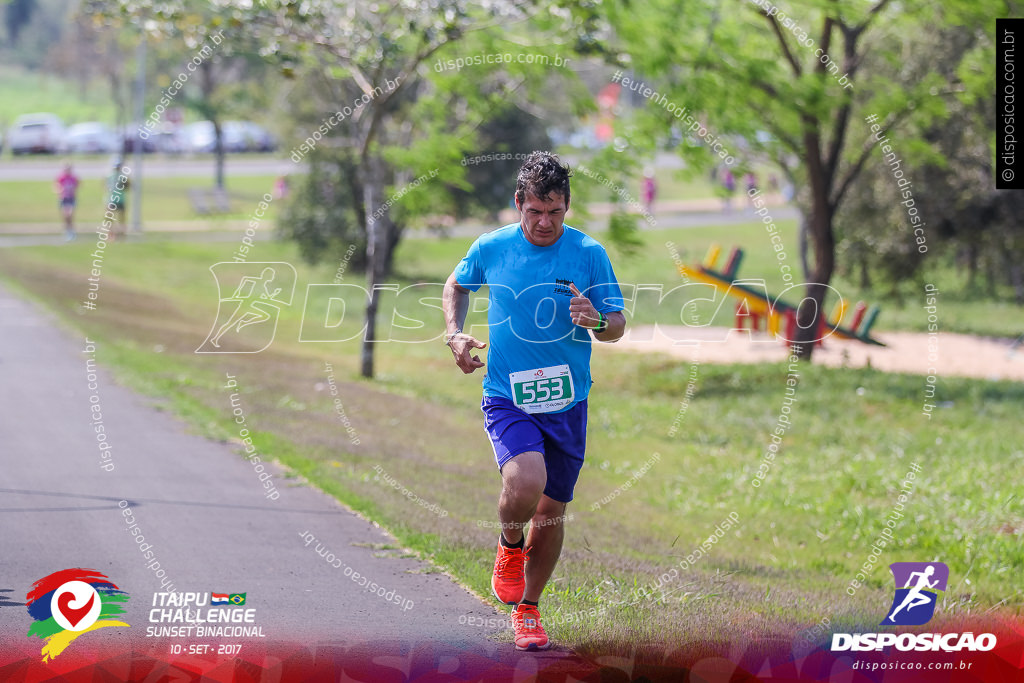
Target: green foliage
507, 132
794, 86
17, 13
948, 161
622, 234
322, 214
439, 96
32, 27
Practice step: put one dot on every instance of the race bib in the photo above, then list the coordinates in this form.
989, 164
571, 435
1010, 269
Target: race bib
542, 390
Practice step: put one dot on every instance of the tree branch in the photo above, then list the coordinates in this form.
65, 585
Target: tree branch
855, 170
797, 69
851, 175
791, 143
842, 119
872, 13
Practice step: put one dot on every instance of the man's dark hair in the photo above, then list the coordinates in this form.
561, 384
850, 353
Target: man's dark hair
543, 174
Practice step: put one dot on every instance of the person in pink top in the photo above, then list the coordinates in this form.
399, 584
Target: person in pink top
66, 186
650, 190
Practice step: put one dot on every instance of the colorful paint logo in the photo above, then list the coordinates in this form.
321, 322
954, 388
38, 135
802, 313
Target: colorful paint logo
70, 603
917, 587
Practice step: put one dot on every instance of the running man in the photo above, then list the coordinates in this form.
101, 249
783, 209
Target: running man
914, 597
550, 287
66, 186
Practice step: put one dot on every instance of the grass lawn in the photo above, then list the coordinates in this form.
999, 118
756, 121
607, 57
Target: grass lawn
670, 469
26, 92
163, 199
432, 261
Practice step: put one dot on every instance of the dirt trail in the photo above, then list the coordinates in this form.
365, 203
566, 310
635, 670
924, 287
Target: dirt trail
941, 353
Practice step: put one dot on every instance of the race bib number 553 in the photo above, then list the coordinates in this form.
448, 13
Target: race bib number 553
542, 390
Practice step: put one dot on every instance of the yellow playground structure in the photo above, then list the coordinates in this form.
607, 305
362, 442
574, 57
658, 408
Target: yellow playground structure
779, 315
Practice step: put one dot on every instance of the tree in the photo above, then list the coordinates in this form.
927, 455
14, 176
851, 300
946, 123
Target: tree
216, 54
971, 223
510, 130
17, 14
94, 50
33, 27
408, 121
787, 86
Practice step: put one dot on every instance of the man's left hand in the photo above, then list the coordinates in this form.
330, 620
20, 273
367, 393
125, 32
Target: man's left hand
581, 310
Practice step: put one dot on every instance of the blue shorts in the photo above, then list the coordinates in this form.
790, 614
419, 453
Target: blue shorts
560, 437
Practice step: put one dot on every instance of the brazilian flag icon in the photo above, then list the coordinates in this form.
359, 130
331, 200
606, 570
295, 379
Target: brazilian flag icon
237, 598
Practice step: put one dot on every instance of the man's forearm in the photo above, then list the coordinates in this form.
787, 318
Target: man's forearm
616, 328
455, 303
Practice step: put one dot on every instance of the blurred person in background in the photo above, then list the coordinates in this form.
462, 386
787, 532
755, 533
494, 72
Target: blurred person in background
650, 190
728, 188
750, 180
66, 187
117, 189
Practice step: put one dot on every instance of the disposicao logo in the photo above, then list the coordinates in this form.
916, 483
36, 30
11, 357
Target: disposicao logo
70, 603
917, 587
259, 291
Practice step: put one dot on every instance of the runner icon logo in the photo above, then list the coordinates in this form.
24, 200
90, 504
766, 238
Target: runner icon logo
246, 319
917, 587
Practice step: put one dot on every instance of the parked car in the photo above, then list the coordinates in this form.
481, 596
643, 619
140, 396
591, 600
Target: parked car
200, 137
91, 137
130, 136
237, 136
36, 134
259, 138
168, 141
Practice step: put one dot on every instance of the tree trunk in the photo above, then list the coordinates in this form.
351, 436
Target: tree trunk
990, 277
208, 85
218, 151
810, 311
865, 276
971, 255
1015, 276
376, 255
802, 246
394, 234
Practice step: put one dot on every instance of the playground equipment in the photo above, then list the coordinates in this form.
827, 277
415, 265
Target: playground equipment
754, 305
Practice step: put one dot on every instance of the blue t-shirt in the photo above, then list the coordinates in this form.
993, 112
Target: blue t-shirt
528, 291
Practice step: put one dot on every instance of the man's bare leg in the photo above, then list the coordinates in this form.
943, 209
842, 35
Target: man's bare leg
545, 543
523, 480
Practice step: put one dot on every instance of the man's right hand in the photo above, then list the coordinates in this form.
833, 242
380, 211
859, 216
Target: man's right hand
461, 345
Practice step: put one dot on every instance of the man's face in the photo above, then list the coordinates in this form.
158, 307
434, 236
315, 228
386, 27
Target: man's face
542, 220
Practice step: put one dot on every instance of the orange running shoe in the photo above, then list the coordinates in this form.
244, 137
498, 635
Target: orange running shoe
509, 578
530, 634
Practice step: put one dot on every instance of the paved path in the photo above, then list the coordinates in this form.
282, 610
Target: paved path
154, 166
204, 513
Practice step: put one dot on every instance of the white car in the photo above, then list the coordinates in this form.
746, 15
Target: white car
36, 133
200, 139
92, 137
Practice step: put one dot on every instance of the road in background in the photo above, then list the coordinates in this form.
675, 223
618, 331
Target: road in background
154, 166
